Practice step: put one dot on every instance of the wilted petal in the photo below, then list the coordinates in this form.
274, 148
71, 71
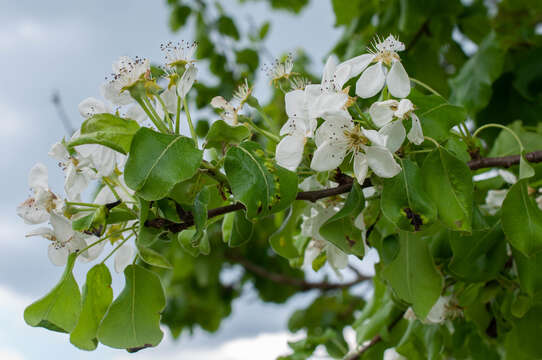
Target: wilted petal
437, 314
371, 81
295, 103
336, 257
218, 102
361, 167
382, 112
123, 257
395, 134
31, 212
187, 80
415, 135
58, 254
381, 161
328, 156
398, 81
289, 151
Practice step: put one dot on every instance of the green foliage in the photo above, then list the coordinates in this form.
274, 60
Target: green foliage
133, 319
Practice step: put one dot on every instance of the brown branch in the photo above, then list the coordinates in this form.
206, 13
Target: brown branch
302, 284
504, 161
344, 187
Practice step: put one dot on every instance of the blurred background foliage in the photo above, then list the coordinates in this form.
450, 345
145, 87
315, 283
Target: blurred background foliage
482, 55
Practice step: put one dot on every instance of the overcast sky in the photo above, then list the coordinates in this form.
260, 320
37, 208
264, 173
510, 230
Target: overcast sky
69, 46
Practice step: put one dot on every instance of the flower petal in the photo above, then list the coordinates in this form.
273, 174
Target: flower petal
327, 103
123, 257
375, 137
62, 228
135, 112
381, 161
295, 103
415, 135
371, 81
31, 212
289, 151
92, 106
44, 232
59, 152
361, 167
38, 178
329, 70
381, 112
336, 257
187, 80
333, 128
398, 81
328, 156
395, 134
58, 254
404, 107
356, 65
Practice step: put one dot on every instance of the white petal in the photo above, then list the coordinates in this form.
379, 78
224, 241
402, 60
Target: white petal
327, 103
187, 80
92, 106
437, 314
336, 258
93, 252
507, 176
371, 81
43, 232
123, 257
59, 152
38, 178
294, 125
289, 151
395, 134
105, 196
62, 228
356, 65
169, 96
58, 254
329, 69
31, 212
392, 354
375, 137
295, 103
404, 107
398, 81
328, 156
333, 128
135, 112
361, 167
495, 198
76, 181
104, 160
218, 102
310, 183
381, 161
381, 112
111, 92
415, 135
341, 75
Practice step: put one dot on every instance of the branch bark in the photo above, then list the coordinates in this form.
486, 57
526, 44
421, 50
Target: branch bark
344, 187
302, 284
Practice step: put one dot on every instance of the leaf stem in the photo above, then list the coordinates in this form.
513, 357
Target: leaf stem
486, 126
103, 239
155, 121
263, 132
190, 124
178, 116
91, 205
432, 140
116, 248
426, 87
166, 112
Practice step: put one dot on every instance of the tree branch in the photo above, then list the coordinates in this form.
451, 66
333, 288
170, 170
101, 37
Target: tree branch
344, 187
302, 284
504, 161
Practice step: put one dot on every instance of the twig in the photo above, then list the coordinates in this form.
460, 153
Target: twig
57, 102
344, 187
302, 284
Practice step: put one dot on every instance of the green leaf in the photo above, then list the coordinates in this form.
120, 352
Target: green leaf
264, 30
522, 220
94, 222
345, 11
471, 87
404, 200
158, 161
221, 134
524, 337
185, 240
227, 27
340, 229
448, 182
413, 275
108, 130
133, 320
249, 57
97, 296
529, 273
58, 310
437, 116
282, 241
525, 169
153, 257
241, 230
480, 256
257, 182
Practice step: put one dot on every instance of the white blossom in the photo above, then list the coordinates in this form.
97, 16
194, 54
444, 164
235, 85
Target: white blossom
36, 209
386, 70
389, 115
179, 53
231, 109
339, 136
335, 75
392, 354
123, 257
126, 72
439, 312
64, 240
187, 80
280, 69
92, 106
303, 107
494, 200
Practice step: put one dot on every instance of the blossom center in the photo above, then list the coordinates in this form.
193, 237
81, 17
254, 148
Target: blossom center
387, 57
355, 139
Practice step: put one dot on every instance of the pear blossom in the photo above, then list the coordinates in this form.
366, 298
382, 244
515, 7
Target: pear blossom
439, 312
230, 109
392, 354
78, 172
64, 240
179, 53
126, 72
507, 176
123, 257
335, 75
36, 209
92, 106
494, 200
303, 107
312, 222
386, 70
280, 69
339, 136
383, 114
187, 80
